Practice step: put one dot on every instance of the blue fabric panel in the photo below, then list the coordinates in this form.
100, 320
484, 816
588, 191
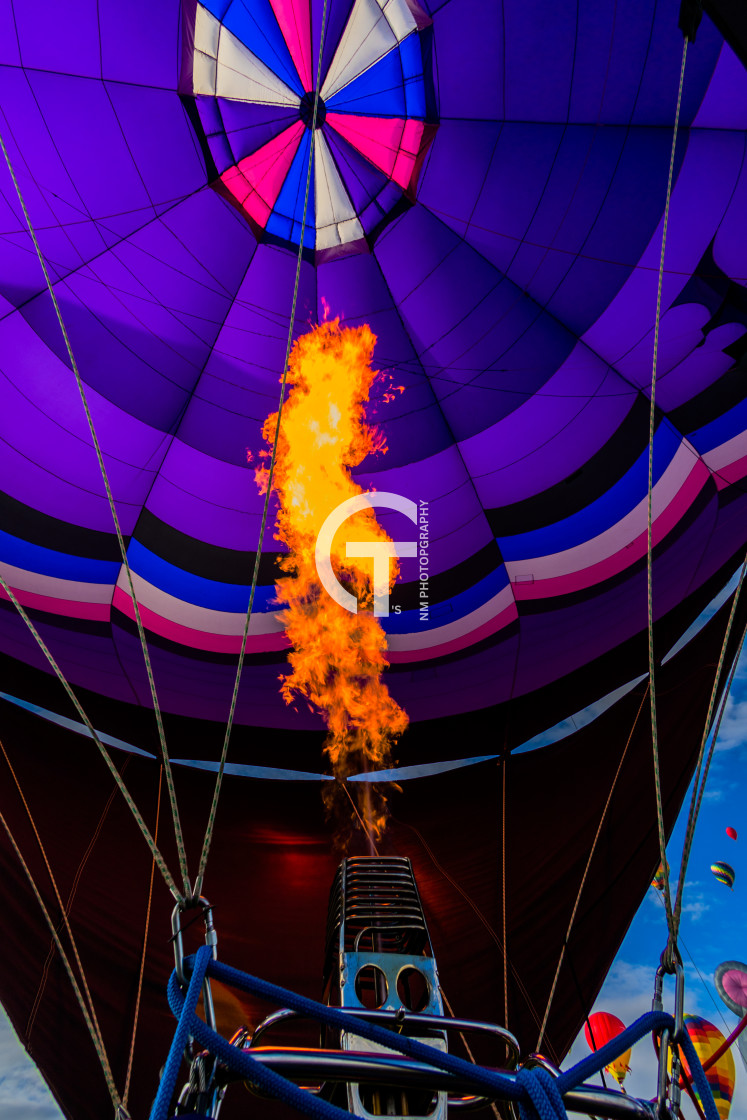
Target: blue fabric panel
285, 220
601, 514
201, 592
408, 622
412, 68
258, 30
47, 562
377, 92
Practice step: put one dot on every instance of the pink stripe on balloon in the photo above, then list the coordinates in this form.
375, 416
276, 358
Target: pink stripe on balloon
628, 555
198, 639
492, 626
96, 612
255, 182
293, 17
379, 139
725, 476
406, 163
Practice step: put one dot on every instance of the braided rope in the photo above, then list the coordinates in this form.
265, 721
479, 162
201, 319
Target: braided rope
63, 909
115, 519
93, 1028
160, 862
586, 872
698, 785
497, 1084
268, 493
649, 530
136, 1016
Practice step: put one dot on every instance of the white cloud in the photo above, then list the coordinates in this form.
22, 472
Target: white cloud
23, 1093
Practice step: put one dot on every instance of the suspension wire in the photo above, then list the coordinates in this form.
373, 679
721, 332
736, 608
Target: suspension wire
63, 910
582, 884
90, 1023
126, 1094
268, 493
484, 921
698, 785
368, 834
649, 532
115, 518
504, 765
160, 862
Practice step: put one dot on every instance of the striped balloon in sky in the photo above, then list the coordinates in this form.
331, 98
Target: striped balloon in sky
254, 73
721, 1076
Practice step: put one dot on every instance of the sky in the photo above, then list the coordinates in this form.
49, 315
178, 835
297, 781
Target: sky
713, 924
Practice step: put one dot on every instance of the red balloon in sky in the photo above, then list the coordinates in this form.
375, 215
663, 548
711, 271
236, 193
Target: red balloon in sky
604, 1027
732, 832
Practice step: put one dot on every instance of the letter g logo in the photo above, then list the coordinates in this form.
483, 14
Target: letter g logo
379, 551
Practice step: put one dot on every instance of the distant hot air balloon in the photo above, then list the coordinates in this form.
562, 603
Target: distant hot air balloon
706, 1039
724, 872
600, 1028
658, 879
731, 832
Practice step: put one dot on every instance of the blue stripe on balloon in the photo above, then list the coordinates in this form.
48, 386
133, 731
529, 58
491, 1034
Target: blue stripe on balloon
258, 30
448, 610
720, 430
48, 562
285, 220
412, 68
377, 92
201, 592
601, 514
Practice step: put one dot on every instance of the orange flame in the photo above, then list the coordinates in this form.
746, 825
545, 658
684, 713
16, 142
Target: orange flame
337, 658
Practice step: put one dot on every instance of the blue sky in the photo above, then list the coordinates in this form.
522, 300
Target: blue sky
713, 930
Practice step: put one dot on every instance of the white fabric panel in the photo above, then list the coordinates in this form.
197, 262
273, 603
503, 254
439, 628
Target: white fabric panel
399, 17
204, 70
367, 37
207, 30
243, 77
336, 221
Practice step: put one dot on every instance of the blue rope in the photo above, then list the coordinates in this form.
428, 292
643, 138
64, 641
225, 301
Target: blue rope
540, 1096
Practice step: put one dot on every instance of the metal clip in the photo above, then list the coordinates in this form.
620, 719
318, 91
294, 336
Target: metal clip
211, 939
669, 1092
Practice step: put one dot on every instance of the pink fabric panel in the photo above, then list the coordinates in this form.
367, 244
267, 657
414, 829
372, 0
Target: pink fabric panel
405, 163
462, 642
605, 569
293, 18
97, 612
377, 138
197, 639
725, 476
735, 986
257, 180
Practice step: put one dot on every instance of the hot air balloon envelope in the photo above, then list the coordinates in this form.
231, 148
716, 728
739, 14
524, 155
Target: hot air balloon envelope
707, 1039
600, 1028
731, 832
723, 873
731, 983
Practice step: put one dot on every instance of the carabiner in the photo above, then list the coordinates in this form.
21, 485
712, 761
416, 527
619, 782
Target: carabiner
669, 1092
211, 939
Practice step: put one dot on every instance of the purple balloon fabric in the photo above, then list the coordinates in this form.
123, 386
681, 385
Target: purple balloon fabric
487, 192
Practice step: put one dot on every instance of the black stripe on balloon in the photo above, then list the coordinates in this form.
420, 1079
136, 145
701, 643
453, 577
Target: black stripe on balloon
210, 561
708, 496
716, 400
50, 532
584, 486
